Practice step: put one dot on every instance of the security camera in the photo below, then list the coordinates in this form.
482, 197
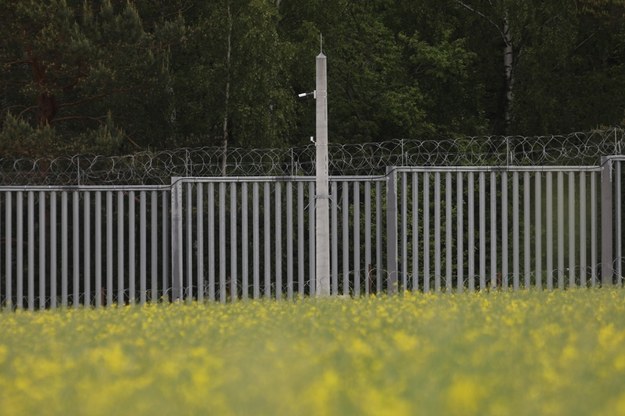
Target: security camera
312, 139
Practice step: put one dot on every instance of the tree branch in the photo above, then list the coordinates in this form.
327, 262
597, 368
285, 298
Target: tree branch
483, 16
68, 118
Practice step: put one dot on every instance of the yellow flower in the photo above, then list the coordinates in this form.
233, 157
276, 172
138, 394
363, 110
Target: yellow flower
464, 396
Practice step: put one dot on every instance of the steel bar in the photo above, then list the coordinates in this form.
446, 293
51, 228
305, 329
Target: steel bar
300, 238
560, 216
482, 216
19, 249
199, 238
278, 239
504, 230
311, 238
335, 239
378, 236
234, 254
538, 250
245, 270
267, 235
289, 240
357, 247
256, 241
345, 235
211, 241
404, 231
448, 232
8, 259
572, 261
493, 230
143, 226
120, 248
415, 231
459, 232
437, 231
582, 230
31, 250
593, 229
527, 267
549, 229
109, 246
222, 242
426, 232
515, 230
64, 248
471, 231
132, 261
98, 249
87, 248
367, 237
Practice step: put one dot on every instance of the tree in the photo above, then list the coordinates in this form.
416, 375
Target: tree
75, 70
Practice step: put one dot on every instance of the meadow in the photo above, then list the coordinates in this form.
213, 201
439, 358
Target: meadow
499, 353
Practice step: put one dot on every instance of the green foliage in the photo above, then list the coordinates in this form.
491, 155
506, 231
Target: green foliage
155, 74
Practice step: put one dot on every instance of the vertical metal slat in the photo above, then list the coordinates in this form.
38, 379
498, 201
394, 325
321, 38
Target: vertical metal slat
471, 231
31, 250
98, 249
256, 241
527, 268
234, 255
345, 235
549, 229
482, 195
335, 238
572, 229
437, 231
278, 239
448, 232
367, 236
267, 235
357, 247
459, 233
426, 232
132, 244
87, 249
515, 230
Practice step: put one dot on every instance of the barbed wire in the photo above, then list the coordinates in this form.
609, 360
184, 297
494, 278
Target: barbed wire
581, 148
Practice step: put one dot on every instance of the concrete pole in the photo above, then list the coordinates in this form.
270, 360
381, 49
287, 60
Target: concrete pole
322, 210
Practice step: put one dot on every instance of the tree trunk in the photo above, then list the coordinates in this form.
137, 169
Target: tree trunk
508, 67
227, 91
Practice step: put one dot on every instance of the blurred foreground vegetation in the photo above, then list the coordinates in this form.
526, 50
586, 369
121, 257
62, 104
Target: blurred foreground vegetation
500, 353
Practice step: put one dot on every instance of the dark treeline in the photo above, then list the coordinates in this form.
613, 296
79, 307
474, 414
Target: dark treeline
119, 76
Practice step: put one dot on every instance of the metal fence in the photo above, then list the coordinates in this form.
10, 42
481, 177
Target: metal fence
222, 239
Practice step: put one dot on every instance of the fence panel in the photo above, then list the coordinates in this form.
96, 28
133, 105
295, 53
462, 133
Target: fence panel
549, 240
278, 260
73, 246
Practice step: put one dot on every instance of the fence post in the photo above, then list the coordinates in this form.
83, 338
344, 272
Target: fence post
607, 239
322, 210
176, 239
391, 228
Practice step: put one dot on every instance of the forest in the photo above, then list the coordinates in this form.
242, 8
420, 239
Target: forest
121, 76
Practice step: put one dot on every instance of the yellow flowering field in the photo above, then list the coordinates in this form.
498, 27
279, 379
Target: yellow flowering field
499, 353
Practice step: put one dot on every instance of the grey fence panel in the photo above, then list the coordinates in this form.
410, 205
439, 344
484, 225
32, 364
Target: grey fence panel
60, 247
481, 223
282, 263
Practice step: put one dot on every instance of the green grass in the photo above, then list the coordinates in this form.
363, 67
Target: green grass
499, 353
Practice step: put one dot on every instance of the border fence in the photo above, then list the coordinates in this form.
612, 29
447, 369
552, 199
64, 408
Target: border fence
429, 220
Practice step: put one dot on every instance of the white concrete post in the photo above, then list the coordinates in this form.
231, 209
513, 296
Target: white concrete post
322, 216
